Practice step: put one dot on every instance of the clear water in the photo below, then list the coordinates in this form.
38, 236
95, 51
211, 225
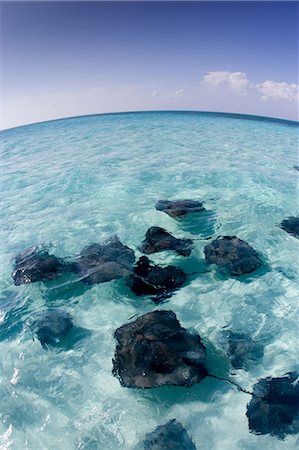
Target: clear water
73, 182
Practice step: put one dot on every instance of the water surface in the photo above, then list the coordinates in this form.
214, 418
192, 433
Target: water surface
72, 182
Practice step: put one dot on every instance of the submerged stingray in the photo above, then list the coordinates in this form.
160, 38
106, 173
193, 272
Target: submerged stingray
157, 240
274, 407
233, 255
155, 350
178, 208
241, 348
36, 264
98, 263
149, 279
171, 436
291, 226
51, 326
296, 167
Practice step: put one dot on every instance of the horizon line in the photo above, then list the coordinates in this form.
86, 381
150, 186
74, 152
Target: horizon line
219, 113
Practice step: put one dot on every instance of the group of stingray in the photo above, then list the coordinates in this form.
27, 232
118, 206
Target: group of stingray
155, 350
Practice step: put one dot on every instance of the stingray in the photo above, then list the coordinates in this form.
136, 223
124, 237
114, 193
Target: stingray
274, 408
233, 255
36, 264
291, 226
296, 167
155, 350
50, 326
171, 436
179, 208
149, 279
99, 263
157, 240
241, 348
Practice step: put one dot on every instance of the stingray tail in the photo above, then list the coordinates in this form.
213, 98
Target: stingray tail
234, 383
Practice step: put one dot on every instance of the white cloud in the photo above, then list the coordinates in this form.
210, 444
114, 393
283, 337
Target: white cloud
273, 89
264, 98
241, 85
179, 93
236, 81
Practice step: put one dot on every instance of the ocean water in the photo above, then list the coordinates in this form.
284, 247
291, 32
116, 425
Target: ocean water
72, 182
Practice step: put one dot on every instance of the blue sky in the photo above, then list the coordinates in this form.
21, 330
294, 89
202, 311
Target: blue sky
70, 58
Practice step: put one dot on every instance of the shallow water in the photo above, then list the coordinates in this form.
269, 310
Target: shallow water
72, 182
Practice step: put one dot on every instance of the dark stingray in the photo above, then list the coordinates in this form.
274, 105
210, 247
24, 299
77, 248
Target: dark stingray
291, 226
179, 208
233, 255
157, 240
50, 326
171, 436
155, 350
274, 408
98, 263
149, 279
36, 264
296, 167
241, 348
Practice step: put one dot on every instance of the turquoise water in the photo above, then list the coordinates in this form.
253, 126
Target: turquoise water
72, 182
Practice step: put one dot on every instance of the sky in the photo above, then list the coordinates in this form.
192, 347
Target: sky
62, 59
